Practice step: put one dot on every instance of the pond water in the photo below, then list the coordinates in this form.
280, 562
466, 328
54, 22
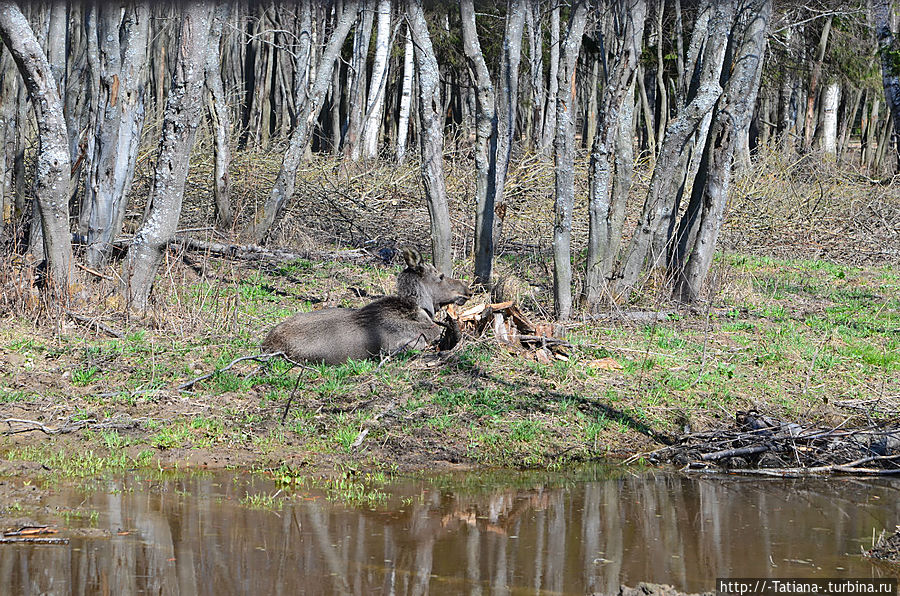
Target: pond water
474, 533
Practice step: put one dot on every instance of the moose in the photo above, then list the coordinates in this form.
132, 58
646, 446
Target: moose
387, 326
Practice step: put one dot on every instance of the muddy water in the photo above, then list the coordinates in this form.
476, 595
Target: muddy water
465, 534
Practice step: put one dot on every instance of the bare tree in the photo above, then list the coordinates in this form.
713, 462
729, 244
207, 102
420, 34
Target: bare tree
53, 165
508, 95
431, 137
118, 121
183, 109
605, 209
375, 104
564, 160
549, 129
405, 97
307, 116
485, 145
220, 120
733, 113
357, 104
673, 152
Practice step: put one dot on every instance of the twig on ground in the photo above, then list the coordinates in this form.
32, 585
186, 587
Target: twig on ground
256, 357
89, 322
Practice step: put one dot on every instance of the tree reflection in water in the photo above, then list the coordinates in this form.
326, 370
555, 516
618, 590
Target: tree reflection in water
519, 533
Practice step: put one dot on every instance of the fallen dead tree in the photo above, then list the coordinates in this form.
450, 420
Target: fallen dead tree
255, 252
762, 445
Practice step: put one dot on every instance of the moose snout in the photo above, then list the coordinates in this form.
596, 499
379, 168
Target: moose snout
465, 294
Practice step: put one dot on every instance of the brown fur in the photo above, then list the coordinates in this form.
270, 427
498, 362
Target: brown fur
386, 326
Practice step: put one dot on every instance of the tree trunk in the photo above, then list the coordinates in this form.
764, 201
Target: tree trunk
375, 107
536, 68
431, 137
309, 113
485, 145
405, 98
732, 114
183, 109
118, 124
549, 131
830, 102
890, 65
809, 124
508, 97
564, 145
662, 103
53, 166
9, 98
848, 122
357, 103
673, 151
221, 122
603, 236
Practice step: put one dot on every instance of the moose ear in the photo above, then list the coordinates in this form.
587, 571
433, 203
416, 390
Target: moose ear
412, 257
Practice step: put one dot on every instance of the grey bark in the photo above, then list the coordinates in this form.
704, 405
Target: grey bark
9, 97
847, 122
549, 129
182, 116
485, 145
308, 114
220, 120
809, 122
673, 151
508, 96
431, 136
604, 224
564, 161
536, 68
118, 122
53, 165
733, 113
357, 104
889, 49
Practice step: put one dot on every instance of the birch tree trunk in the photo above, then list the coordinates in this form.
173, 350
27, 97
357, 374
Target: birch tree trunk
485, 145
375, 106
830, 101
431, 136
184, 106
732, 115
119, 120
220, 120
405, 98
564, 154
889, 49
53, 165
308, 114
603, 237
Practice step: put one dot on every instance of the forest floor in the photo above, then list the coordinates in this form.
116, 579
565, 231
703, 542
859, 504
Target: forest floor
801, 321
